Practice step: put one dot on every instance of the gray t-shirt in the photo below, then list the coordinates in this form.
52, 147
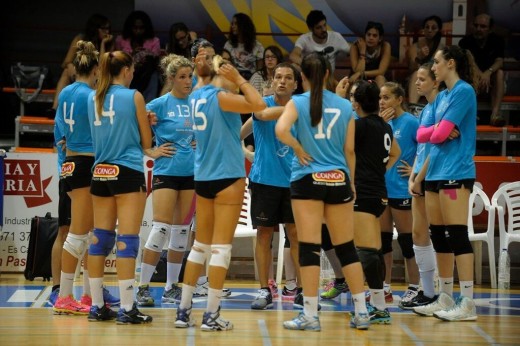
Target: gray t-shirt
334, 39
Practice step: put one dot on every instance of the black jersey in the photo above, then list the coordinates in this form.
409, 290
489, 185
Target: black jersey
373, 142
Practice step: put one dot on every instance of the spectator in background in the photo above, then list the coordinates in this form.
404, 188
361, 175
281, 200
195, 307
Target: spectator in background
180, 40
97, 31
370, 56
487, 49
245, 49
138, 39
263, 78
319, 39
422, 51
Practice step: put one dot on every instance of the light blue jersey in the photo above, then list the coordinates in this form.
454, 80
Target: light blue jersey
174, 125
423, 149
219, 150
58, 136
325, 142
404, 128
453, 159
72, 117
272, 165
115, 132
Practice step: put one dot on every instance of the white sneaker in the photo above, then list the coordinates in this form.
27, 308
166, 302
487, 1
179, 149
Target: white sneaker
201, 290
463, 310
410, 294
443, 302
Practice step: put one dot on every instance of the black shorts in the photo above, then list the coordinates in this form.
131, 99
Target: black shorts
400, 203
173, 182
374, 206
210, 189
331, 187
437, 185
270, 205
64, 206
76, 172
110, 180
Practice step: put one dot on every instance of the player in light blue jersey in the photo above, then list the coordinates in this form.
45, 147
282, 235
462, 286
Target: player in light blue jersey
428, 87
219, 185
398, 212
322, 187
73, 130
120, 133
172, 182
269, 181
451, 130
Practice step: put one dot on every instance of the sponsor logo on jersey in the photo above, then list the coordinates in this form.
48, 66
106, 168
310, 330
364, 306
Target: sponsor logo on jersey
335, 176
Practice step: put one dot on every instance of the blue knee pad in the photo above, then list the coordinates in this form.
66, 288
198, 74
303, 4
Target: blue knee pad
130, 248
386, 242
406, 243
105, 242
439, 241
459, 240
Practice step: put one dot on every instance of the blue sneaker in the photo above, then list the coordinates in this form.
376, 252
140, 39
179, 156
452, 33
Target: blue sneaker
110, 299
211, 322
184, 319
103, 313
302, 322
133, 316
378, 316
54, 295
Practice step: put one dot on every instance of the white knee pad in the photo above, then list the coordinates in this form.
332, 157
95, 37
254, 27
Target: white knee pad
158, 236
76, 244
179, 238
199, 253
220, 255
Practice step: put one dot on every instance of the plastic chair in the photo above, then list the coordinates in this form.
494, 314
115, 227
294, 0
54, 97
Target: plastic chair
478, 201
507, 198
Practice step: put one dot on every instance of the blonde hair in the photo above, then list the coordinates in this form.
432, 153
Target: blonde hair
86, 58
110, 66
172, 63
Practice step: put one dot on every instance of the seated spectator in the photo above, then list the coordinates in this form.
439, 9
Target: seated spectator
319, 39
370, 55
245, 50
263, 78
180, 40
422, 52
97, 31
487, 49
138, 39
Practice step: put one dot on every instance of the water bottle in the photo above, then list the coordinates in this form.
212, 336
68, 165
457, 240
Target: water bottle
504, 267
326, 272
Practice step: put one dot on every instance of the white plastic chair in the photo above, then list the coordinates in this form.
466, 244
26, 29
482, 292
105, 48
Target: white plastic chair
507, 198
478, 201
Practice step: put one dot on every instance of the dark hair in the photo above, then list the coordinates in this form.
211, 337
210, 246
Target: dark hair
314, 67
367, 95
436, 38
94, 22
375, 25
428, 67
279, 58
246, 32
110, 65
463, 65
86, 58
314, 17
129, 24
173, 43
296, 73
199, 43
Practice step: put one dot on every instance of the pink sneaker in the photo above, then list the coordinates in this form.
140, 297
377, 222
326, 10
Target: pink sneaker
69, 306
86, 300
273, 288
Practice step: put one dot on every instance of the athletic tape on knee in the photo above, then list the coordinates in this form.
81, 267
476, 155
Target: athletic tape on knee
386, 242
179, 238
372, 267
76, 244
127, 245
459, 240
158, 236
309, 254
199, 253
220, 255
346, 253
439, 241
406, 243
102, 242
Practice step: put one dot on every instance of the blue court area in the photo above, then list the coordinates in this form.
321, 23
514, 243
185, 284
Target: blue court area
32, 296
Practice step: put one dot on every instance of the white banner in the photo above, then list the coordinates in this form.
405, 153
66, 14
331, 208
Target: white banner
31, 189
